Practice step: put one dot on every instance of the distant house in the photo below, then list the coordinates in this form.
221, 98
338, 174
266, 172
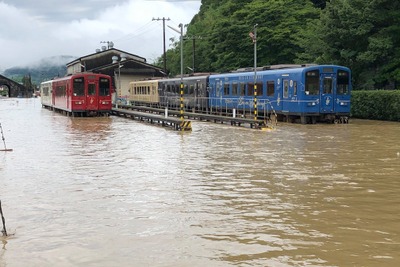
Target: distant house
122, 66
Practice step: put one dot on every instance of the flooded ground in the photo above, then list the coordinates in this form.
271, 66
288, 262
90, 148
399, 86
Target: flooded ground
114, 192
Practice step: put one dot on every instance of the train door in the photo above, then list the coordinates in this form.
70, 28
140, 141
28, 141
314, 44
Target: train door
327, 93
91, 96
68, 96
285, 95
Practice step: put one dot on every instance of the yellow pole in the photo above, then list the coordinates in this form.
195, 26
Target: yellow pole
181, 107
255, 102
255, 73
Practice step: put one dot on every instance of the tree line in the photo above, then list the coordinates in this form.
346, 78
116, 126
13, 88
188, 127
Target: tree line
362, 35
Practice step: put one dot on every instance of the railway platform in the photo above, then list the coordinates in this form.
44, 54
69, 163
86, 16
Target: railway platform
172, 122
173, 114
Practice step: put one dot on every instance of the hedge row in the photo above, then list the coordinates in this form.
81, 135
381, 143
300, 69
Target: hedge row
376, 105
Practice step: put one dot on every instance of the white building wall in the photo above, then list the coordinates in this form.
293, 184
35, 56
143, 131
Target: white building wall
76, 68
122, 86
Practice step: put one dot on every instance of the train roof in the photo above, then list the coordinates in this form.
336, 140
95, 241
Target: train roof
177, 79
79, 74
276, 69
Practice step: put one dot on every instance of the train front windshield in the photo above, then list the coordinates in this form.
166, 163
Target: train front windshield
104, 87
312, 82
79, 87
343, 81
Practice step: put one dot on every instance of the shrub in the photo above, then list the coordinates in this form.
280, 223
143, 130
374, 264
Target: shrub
376, 105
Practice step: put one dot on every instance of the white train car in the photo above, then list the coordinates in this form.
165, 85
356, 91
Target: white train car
46, 94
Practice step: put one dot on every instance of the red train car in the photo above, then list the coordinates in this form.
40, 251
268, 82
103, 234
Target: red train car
83, 94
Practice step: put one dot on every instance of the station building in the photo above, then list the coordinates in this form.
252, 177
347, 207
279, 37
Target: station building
122, 66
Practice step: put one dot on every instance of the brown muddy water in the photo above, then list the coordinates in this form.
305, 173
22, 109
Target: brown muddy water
114, 192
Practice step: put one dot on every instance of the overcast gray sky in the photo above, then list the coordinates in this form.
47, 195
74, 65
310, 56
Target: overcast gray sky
32, 30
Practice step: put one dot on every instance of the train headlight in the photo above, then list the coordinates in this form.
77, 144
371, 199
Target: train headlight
343, 103
311, 104
78, 102
104, 102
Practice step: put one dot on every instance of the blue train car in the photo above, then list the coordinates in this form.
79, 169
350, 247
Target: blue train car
308, 93
195, 92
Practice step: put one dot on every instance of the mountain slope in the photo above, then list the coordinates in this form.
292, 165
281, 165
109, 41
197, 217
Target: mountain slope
45, 69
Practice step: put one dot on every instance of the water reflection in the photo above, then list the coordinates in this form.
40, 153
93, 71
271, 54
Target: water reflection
114, 192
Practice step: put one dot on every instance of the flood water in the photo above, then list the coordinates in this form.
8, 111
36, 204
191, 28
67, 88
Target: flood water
115, 192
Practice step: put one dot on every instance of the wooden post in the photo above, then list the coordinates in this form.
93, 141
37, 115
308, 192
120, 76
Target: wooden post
4, 231
4, 140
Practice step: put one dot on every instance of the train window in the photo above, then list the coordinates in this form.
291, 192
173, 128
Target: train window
191, 89
342, 82
79, 87
60, 90
285, 88
312, 82
260, 89
226, 89
91, 89
242, 89
104, 87
45, 91
250, 89
270, 88
294, 88
148, 90
327, 85
234, 89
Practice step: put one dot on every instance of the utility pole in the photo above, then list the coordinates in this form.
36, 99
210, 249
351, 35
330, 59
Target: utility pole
164, 55
193, 38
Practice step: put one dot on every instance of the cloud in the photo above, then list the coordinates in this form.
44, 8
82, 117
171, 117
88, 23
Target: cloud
31, 30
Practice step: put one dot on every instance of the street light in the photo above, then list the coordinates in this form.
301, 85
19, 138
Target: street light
181, 41
115, 60
255, 72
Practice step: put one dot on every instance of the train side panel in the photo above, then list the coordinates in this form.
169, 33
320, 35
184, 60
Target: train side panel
61, 99
144, 92
195, 93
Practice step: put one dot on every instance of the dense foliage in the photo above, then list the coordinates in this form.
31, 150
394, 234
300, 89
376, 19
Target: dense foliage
376, 105
363, 35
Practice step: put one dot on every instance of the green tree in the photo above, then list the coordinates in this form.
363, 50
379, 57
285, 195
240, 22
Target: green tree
363, 35
224, 28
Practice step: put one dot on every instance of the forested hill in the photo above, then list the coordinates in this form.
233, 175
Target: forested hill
363, 35
45, 69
